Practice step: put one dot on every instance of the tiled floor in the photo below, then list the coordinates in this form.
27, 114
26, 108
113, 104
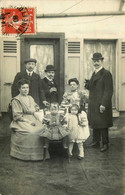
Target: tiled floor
98, 174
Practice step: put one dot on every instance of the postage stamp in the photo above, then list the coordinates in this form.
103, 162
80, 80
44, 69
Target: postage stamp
18, 20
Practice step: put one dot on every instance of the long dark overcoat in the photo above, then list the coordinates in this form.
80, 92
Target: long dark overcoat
101, 89
45, 87
34, 87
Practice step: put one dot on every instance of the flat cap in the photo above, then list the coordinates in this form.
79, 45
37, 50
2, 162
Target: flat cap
30, 60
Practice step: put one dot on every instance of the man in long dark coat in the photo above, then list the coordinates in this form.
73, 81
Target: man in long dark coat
49, 89
100, 88
29, 74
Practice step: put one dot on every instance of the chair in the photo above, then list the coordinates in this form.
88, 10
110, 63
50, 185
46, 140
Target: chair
51, 142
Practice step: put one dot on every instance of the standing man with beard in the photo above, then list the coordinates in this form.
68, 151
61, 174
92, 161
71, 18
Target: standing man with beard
49, 90
29, 74
100, 88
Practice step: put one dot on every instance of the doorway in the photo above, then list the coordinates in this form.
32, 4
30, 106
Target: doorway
108, 50
46, 48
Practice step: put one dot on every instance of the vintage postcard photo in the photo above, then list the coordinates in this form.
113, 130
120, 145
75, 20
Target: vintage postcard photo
62, 97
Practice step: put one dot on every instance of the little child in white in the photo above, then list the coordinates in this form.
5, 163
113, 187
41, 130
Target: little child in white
78, 128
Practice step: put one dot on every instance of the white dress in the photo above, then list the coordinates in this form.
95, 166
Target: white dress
26, 143
54, 129
78, 127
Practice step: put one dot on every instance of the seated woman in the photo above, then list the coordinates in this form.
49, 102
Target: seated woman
74, 96
26, 144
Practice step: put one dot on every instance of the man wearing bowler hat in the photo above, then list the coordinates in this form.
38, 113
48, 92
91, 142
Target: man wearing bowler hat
100, 88
49, 91
29, 74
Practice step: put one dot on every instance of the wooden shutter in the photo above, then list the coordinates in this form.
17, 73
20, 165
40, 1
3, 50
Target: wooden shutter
73, 47
73, 59
121, 71
123, 48
10, 65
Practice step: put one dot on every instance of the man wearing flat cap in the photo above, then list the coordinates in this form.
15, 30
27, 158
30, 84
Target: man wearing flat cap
29, 74
49, 90
100, 88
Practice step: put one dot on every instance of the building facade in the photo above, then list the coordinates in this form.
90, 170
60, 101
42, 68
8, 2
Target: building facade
67, 34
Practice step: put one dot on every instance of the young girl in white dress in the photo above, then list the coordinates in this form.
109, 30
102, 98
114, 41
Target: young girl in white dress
78, 128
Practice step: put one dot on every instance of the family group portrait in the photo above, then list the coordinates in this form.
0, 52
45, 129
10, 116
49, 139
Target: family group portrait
62, 97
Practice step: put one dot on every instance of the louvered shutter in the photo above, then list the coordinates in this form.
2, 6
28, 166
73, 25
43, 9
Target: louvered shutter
74, 47
123, 48
74, 55
10, 47
10, 65
121, 71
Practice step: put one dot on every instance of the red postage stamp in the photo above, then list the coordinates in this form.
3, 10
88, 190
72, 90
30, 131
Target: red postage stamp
18, 20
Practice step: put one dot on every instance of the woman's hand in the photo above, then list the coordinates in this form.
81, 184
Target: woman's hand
46, 103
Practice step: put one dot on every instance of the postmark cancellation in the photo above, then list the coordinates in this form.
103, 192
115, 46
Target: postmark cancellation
19, 20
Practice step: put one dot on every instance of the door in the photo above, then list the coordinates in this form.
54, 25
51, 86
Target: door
108, 50
45, 51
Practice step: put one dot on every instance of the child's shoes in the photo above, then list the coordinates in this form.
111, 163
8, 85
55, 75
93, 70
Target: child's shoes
65, 146
80, 157
70, 155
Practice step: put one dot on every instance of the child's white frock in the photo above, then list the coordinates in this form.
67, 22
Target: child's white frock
53, 128
78, 127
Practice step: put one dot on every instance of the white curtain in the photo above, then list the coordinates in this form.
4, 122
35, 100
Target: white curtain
44, 55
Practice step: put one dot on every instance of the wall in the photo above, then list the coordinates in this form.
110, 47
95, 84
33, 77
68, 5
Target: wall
89, 27
96, 26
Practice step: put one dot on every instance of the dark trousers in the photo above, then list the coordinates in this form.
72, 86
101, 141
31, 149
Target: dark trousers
101, 135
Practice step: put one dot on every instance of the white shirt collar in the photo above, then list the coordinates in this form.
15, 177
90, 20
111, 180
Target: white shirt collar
29, 73
97, 70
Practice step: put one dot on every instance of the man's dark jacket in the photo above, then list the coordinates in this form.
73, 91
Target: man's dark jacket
100, 88
45, 87
34, 87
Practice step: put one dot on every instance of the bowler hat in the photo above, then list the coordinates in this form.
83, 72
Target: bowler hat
97, 56
73, 80
49, 68
30, 60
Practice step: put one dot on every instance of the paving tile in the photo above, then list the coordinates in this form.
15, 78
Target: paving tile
97, 174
